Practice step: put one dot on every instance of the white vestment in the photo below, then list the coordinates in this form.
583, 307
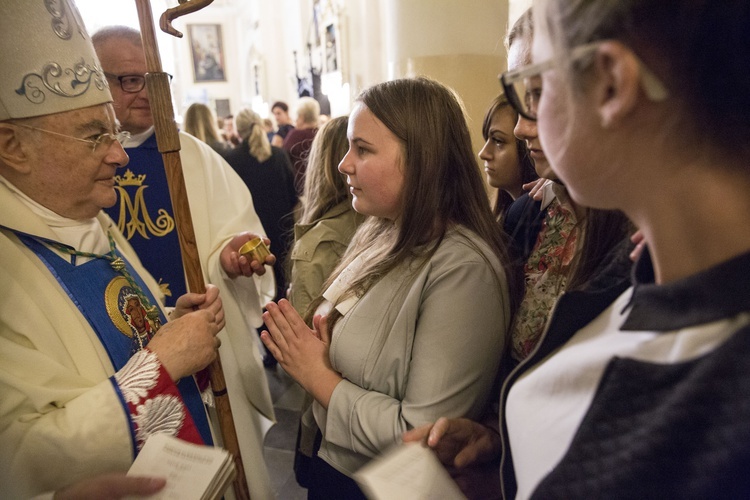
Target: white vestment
60, 417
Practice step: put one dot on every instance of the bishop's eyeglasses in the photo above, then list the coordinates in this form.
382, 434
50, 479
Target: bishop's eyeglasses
105, 138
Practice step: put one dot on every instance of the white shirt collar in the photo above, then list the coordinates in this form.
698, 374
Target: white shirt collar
136, 140
86, 235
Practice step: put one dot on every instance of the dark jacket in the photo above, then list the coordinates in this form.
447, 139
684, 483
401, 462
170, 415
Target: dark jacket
271, 184
656, 429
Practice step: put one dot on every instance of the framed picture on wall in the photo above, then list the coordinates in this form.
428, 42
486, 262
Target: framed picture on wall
207, 51
332, 34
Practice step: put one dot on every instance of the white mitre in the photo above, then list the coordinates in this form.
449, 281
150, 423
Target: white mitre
47, 59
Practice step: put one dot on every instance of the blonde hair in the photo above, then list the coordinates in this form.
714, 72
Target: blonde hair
200, 122
249, 126
309, 110
325, 186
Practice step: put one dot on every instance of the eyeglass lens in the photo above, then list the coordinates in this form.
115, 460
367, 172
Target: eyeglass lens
132, 83
524, 94
107, 139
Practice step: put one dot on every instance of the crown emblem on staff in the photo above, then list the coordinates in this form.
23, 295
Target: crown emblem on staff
130, 179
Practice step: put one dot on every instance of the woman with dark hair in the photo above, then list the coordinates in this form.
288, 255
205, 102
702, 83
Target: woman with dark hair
418, 308
284, 124
506, 159
570, 242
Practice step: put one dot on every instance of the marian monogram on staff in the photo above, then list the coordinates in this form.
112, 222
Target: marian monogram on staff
134, 216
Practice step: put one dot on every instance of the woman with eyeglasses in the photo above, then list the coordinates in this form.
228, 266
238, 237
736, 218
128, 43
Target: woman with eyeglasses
574, 242
635, 388
642, 392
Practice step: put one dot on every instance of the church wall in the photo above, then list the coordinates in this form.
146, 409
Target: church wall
458, 42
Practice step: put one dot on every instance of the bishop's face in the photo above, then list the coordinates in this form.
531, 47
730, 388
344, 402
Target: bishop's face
66, 175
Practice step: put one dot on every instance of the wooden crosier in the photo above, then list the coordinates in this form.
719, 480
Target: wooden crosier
168, 141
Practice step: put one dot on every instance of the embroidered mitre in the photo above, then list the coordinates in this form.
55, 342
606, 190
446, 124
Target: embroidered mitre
48, 62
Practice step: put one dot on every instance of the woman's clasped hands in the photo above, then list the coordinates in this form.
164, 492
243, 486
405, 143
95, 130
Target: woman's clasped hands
300, 350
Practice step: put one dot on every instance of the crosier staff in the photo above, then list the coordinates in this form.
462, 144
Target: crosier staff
168, 141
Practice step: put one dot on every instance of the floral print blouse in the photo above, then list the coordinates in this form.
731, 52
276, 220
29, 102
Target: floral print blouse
546, 273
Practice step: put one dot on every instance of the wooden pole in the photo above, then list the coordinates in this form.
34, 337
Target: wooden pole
168, 141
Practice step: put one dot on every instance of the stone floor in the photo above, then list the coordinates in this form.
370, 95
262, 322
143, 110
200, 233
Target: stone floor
279, 443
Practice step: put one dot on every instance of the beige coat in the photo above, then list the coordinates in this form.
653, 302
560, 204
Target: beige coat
318, 247
420, 344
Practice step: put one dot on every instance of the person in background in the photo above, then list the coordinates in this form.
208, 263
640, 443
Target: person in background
229, 133
417, 312
200, 122
506, 160
298, 141
224, 219
268, 127
91, 365
284, 124
327, 221
267, 172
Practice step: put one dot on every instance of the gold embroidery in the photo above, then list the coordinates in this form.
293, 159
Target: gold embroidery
133, 217
129, 179
165, 289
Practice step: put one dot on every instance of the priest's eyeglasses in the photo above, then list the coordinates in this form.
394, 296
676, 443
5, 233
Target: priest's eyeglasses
131, 84
106, 139
523, 86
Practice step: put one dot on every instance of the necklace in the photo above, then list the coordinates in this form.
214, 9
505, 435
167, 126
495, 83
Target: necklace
118, 264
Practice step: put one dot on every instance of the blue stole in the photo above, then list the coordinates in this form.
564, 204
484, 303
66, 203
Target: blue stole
144, 215
110, 305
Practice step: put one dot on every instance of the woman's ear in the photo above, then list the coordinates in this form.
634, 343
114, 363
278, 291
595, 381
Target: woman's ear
619, 82
12, 152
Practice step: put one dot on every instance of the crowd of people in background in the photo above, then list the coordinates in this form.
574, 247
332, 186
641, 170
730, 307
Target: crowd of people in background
221, 133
